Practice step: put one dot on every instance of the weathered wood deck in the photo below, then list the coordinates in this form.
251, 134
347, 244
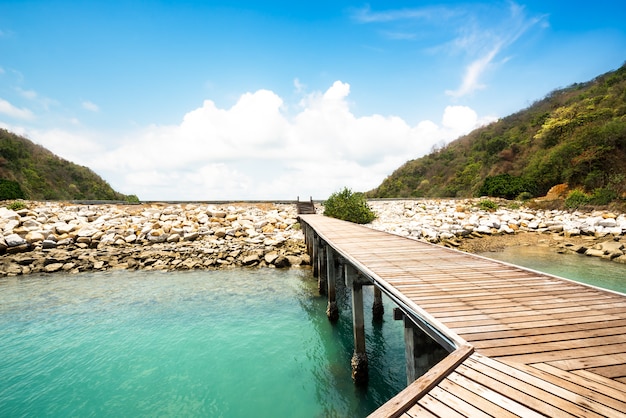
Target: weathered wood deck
527, 344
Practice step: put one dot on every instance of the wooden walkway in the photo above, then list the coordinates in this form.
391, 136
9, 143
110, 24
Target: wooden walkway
525, 343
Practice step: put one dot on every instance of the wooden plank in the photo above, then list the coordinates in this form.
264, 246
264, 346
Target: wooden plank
612, 384
538, 347
478, 401
578, 384
418, 411
528, 395
585, 358
584, 326
439, 408
463, 331
529, 383
507, 310
424, 384
450, 399
512, 405
613, 371
547, 337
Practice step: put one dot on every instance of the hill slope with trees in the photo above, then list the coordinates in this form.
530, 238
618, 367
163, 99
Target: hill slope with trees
574, 136
30, 171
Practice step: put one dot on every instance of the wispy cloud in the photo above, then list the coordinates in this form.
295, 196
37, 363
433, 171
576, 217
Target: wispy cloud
479, 34
44, 102
471, 78
483, 44
92, 107
366, 15
8, 109
397, 35
27, 94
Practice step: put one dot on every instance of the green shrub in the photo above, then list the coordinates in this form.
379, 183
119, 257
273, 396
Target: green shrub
488, 205
603, 196
349, 206
524, 196
17, 205
10, 190
506, 186
131, 198
513, 206
576, 199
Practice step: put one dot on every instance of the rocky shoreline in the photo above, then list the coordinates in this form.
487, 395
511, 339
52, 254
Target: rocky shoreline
462, 224
48, 237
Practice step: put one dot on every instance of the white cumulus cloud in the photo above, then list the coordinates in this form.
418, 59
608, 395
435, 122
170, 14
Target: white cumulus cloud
257, 150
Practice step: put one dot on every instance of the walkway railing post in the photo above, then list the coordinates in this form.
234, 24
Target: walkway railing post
360, 373
331, 311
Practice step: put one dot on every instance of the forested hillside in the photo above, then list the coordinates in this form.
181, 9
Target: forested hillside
29, 171
574, 136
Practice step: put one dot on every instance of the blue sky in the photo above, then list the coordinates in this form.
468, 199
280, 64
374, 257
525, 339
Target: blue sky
215, 100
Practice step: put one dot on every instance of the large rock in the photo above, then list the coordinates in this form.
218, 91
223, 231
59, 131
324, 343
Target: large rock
281, 262
594, 252
250, 260
8, 214
14, 240
34, 236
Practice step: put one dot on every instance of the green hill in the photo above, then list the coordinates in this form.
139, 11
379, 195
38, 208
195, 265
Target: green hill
30, 171
574, 136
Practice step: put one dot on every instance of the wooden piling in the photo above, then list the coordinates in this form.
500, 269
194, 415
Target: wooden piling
322, 273
359, 362
378, 310
315, 253
332, 311
422, 352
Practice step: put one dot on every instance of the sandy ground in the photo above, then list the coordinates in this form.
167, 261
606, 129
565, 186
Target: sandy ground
499, 242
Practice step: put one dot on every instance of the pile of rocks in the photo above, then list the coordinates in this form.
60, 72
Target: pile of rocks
447, 222
53, 236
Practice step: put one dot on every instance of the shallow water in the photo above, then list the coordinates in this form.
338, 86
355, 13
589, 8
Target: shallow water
222, 344
578, 267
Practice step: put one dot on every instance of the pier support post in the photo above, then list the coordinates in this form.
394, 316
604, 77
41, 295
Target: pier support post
321, 269
360, 372
331, 311
378, 309
422, 352
315, 254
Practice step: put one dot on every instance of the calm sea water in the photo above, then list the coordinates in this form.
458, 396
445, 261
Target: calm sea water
222, 344
234, 343
579, 267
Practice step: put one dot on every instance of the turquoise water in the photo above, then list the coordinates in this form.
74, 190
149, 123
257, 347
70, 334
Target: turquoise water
232, 343
582, 268
221, 344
